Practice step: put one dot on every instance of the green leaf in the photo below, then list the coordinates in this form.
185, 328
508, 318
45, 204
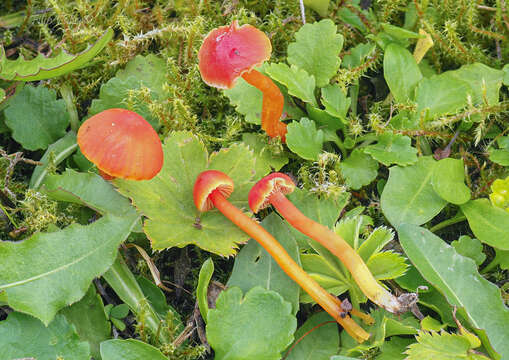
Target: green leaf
335, 101
298, 82
357, 55
401, 72
129, 349
167, 199
157, 299
257, 326
304, 139
374, 243
499, 156
255, 267
41, 67
408, 196
394, 349
328, 123
36, 117
87, 189
206, 271
120, 311
448, 181
23, 337
88, 316
267, 160
488, 223
393, 149
443, 346
316, 50
320, 340
320, 6
400, 33
141, 72
457, 278
468, 247
440, 95
387, 265
62, 264
54, 155
359, 169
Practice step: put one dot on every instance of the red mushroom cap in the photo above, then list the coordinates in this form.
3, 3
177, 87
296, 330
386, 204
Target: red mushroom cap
229, 51
121, 144
260, 193
205, 183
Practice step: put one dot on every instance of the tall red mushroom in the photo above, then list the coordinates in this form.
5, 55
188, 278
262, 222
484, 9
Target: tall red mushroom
212, 188
232, 51
121, 144
272, 189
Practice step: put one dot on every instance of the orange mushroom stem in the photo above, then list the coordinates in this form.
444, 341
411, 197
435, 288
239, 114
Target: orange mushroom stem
272, 189
232, 51
212, 188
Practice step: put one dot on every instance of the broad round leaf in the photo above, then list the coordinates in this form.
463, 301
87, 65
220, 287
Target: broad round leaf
449, 181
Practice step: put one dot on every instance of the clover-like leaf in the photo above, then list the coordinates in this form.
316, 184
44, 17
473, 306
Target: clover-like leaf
255, 267
130, 349
304, 139
25, 337
259, 325
298, 82
433, 345
62, 264
469, 247
359, 169
42, 67
167, 199
36, 117
488, 223
393, 149
448, 181
316, 50
408, 196
457, 278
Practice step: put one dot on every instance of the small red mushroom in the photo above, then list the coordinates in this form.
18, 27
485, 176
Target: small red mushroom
232, 51
272, 190
212, 188
121, 144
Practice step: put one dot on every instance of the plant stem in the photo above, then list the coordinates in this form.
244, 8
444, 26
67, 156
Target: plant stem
448, 222
122, 281
66, 92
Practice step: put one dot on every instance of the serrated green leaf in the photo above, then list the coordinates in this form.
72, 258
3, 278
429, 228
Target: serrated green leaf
257, 326
62, 264
141, 72
335, 101
401, 72
387, 265
378, 238
431, 324
468, 247
393, 149
394, 349
36, 117
488, 223
88, 316
316, 50
320, 340
448, 181
443, 346
55, 154
44, 68
266, 159
304, 139
359, 169
298, 82
255, 267
457, 278
129, 349
87, 189
167, 199
23, 337
206, 271
408, 196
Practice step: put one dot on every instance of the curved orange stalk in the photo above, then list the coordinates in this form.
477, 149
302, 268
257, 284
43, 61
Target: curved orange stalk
272, 105
211, 189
